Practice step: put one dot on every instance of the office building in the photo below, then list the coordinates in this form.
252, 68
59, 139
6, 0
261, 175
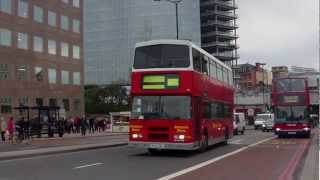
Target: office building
219, 29
41, 61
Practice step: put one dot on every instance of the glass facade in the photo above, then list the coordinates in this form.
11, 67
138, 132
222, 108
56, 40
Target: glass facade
113, 27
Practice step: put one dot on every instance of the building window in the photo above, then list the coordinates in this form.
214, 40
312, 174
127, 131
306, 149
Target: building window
52, 47
76, 26
22, 40
52, 75
64, 22
39, 102
65, 77
53, 102
4, 72
23, 101
37, 44
6, 105
5, 37
38, 14
23, 8
52, 18
39, 73
76, 3
5, 6
76, 104
66, 104
22, 72
76, 52
76, 78
64, 49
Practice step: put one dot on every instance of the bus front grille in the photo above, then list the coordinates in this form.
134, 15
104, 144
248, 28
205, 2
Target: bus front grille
158, 137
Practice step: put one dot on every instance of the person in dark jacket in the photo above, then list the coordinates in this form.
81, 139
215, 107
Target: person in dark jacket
83, 126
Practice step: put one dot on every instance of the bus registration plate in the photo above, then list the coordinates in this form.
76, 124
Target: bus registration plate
157, 146
292, 133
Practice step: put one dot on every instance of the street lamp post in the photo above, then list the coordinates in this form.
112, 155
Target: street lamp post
176, 3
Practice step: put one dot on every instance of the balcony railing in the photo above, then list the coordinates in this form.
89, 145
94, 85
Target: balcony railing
223, 3
224, 13
219, 33
222, 23
224, 44
226, 54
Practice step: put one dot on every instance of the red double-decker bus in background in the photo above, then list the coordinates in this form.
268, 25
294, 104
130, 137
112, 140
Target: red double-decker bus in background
291, 104
182, 97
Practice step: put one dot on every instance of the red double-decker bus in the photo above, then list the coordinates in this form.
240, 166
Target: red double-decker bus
182, 97
291, 104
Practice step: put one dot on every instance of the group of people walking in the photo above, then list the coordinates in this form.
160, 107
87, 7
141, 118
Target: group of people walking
23, 128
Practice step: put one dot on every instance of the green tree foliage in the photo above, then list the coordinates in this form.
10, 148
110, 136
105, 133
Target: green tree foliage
105, 99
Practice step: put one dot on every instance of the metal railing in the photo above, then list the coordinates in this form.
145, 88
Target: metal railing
216, 12
223, 3
219, 33
223, 23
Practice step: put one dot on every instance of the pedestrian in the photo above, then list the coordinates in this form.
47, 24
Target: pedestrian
91, 125
11, 129
3, 128
83, 125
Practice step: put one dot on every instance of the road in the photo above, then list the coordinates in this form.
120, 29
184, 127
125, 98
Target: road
272, 159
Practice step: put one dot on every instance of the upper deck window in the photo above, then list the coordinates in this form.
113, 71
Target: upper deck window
162, 56
291, 85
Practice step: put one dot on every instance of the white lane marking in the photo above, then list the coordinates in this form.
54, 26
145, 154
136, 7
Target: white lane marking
198, 166
238, 141
87, 165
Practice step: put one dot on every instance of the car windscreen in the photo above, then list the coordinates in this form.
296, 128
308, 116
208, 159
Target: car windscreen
162, 56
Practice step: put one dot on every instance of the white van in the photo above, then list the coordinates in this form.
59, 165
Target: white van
239, 123
261, 120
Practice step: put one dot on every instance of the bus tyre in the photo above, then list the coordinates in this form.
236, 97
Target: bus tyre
308, 135
226, 138
242, 132
204, 143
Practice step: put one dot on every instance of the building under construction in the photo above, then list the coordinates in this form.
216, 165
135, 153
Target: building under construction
219, 29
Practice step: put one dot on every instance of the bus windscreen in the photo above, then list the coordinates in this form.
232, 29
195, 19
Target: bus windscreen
162, 56
291, 113
291, 85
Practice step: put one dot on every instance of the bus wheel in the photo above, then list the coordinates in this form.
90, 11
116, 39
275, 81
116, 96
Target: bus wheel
204, 143
242, 132
308, 135
226, 137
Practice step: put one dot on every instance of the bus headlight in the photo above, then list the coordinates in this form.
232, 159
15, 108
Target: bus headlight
136, 136
306, 129
179, 137
278, 129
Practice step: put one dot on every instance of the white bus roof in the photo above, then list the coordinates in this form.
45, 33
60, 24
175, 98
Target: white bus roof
181, 42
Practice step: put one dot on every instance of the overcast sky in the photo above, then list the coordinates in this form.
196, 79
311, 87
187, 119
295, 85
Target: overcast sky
279, 32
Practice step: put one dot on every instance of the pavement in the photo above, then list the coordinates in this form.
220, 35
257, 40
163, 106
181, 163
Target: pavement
255, 155
69, 143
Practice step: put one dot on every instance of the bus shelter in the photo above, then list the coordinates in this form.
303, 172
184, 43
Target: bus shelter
42, 119
119, 122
